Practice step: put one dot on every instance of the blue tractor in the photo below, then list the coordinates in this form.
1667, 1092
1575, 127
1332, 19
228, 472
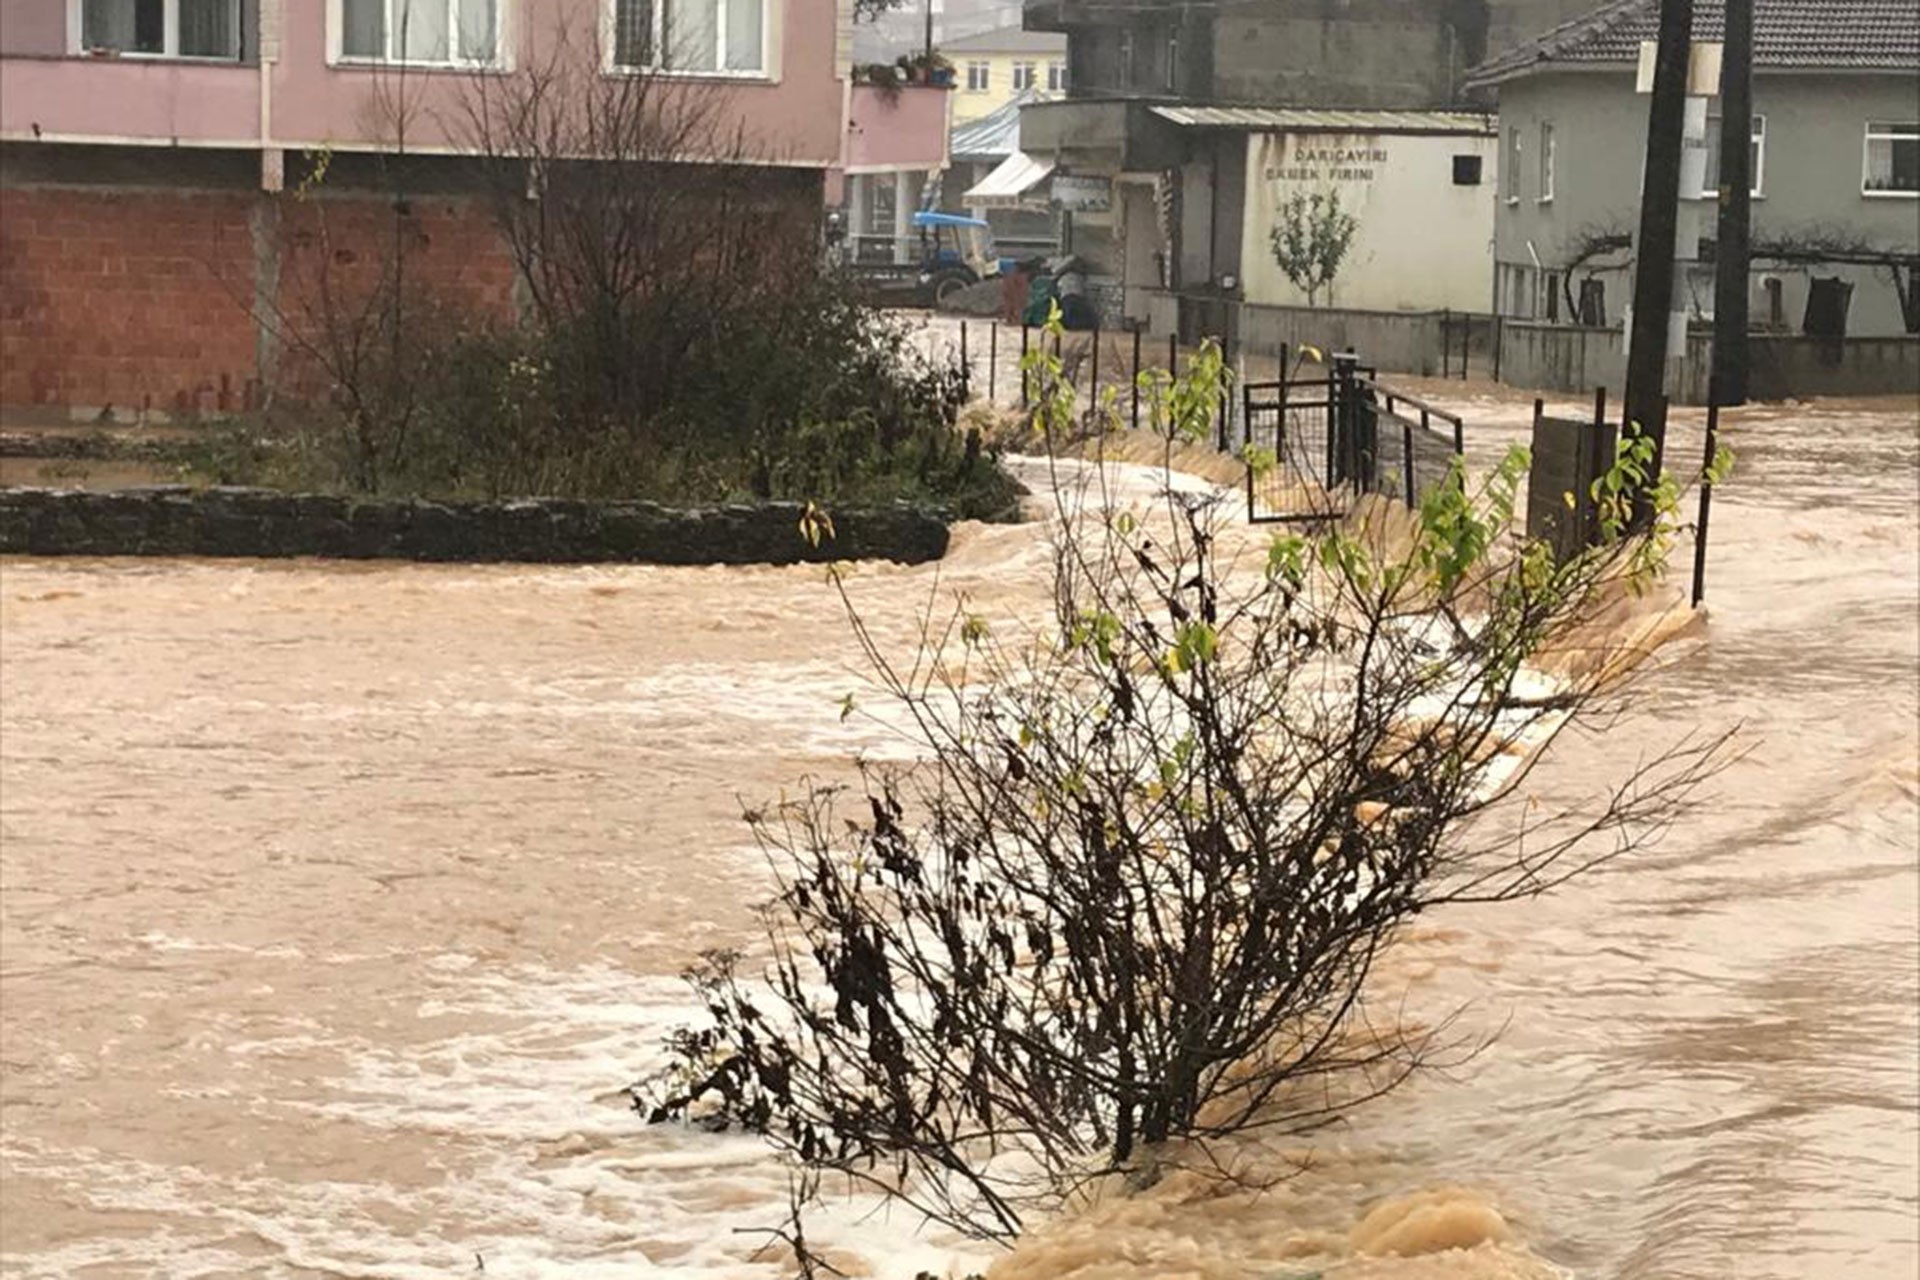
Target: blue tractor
956, 252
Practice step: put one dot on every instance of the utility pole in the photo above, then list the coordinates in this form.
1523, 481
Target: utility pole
1733, 237
928, 6
1644, 408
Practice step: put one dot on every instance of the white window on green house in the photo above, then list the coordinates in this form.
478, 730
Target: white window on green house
979, 77
1546, 161
1756, 159
432, 32
1893, 159
1056, 76
162, 28
1510, 168
1022, 76
711, 37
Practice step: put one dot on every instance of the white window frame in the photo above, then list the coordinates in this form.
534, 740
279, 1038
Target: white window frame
1546, 163
1056, 76
1512, 164
169, 36
979, 77
1756, 146
769, 50
1024, 75
1890, 130
338, 56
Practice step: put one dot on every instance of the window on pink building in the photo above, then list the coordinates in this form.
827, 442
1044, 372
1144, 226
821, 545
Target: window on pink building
712, 36
162, 28
427, 31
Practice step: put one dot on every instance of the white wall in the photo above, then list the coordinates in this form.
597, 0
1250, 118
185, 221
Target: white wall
1422, 243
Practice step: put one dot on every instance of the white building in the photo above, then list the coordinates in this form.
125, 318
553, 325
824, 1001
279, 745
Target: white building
1417, 186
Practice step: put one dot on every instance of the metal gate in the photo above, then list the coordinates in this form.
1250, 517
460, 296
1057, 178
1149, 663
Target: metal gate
1314, 444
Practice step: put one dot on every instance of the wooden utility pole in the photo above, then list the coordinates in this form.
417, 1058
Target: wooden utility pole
1733, 237
1644, 409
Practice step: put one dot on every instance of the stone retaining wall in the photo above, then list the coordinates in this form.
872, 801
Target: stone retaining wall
180, 521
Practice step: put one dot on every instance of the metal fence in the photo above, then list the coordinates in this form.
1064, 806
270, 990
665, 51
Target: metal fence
1413, 442
1313, 442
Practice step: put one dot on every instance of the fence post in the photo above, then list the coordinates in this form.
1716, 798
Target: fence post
1095, 396
1222, 440
966, 365
1406, 445
1706, 493
1339, 419
1446, 342
1246, 409
1024, 390
1499, 340
993, 361
1136, 378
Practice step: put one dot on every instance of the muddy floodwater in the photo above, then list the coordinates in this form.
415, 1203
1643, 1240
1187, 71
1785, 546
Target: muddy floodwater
339, 902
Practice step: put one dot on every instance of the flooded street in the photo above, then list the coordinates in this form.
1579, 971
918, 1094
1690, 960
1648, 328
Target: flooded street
338, 902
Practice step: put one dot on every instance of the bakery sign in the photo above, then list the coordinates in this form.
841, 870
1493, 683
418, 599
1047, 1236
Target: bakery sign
1083, 193
1321, 159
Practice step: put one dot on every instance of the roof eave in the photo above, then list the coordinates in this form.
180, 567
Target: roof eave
1554, 66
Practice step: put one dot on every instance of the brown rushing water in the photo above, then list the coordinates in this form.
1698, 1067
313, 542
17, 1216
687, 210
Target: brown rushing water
337, 902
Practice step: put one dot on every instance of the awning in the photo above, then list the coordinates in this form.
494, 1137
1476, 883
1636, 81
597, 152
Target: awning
1008, 184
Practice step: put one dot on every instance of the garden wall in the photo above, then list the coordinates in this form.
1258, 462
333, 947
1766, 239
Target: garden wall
179, 521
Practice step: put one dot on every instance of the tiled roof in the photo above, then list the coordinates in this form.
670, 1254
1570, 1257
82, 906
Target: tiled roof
1862, 35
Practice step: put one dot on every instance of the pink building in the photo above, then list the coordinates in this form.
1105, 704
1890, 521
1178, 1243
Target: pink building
148, 149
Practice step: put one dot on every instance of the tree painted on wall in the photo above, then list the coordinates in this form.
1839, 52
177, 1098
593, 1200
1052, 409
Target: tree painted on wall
1310, 237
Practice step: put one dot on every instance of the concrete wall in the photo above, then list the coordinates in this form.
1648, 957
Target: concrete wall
1358, 53
1801, 367
1567, 358
903, 130
177, 521
1813, 157
33, 29
1391, 342
1421, 242
1541, 357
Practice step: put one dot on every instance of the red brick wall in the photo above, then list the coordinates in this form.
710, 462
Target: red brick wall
137, 299
127, 299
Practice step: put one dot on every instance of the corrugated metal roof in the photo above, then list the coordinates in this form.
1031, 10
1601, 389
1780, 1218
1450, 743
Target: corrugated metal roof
1319, 120
1864, 35
995, 135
